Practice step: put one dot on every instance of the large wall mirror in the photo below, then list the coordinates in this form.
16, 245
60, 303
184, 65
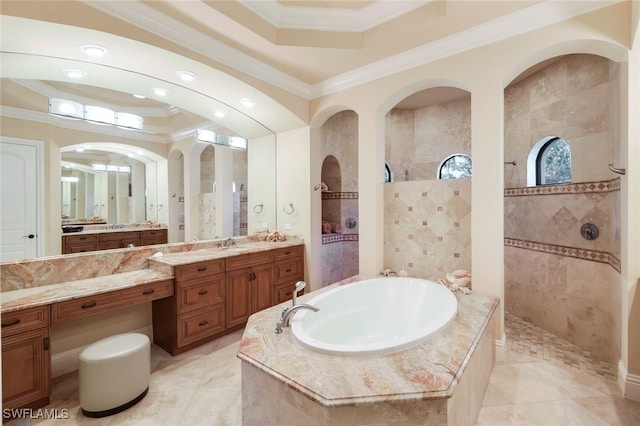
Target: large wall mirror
160, 173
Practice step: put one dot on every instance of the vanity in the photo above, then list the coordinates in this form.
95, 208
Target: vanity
197, 291
106, 238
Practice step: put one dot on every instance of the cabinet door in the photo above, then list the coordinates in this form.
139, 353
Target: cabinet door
262, 285
239, 296
26, 368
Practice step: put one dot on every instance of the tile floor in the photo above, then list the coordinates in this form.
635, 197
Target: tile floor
542, 380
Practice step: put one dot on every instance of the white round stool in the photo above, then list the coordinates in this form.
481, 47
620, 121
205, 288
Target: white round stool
114, 374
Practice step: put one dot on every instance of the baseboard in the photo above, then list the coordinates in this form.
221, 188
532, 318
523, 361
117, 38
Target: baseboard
629, 383
68, 361
501, 347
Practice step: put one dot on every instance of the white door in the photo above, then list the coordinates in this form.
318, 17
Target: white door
19, 201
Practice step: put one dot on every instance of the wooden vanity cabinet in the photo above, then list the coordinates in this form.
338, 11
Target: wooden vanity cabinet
26, 361
153, 236
249, 286
289, 269
195, 314
114, 240
80, 243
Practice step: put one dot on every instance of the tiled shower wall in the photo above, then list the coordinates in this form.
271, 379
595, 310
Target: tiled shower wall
427, 227
554, 277
340, 255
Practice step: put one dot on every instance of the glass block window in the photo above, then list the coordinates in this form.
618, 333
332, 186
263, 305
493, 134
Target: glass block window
553, 164
457, 166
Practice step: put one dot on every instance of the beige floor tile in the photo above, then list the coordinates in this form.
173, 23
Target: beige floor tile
613, 409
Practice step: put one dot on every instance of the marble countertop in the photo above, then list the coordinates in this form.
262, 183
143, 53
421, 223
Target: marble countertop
186, 257
52, 293
427, 371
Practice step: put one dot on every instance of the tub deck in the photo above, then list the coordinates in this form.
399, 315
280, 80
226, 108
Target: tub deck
452, 369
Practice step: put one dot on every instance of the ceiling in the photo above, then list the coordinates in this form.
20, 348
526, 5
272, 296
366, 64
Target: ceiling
288, 49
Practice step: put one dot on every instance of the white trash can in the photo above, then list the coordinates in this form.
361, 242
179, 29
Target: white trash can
114, 374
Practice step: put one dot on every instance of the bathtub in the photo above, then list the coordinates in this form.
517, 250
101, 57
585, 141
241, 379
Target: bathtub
374, 317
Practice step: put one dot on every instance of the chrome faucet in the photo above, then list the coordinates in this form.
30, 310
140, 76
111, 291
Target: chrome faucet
285, 318
229, 242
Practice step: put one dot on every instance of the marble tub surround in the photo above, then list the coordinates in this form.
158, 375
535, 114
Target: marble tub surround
43, 271
280, 376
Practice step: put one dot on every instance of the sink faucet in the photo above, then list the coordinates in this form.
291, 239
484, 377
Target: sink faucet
285, 318
229, 242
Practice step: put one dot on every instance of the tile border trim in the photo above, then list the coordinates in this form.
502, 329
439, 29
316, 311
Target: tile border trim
337, 238
567, 188
575, 252
339, 195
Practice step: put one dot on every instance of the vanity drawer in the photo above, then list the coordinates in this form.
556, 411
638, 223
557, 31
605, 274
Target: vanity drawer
289, 271
198, 270
127, 235
154, 233
81, 248
249, 260
78, 308
200, 293
152, 240
287, 253
200, 324
284, 292
81, 239
25, 320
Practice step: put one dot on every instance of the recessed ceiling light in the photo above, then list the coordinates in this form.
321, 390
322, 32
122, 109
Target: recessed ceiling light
139, 152
159, 91
73, 73
187, 75
139, 96
218, 113
130, 155
93, 50
80, 149
247, 103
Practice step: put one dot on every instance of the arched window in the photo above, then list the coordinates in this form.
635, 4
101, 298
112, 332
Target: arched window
388, 174
549, 162
456, 166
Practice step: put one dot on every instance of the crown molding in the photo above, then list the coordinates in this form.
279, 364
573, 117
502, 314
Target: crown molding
331, 19
80, 125
143, 16
520, 22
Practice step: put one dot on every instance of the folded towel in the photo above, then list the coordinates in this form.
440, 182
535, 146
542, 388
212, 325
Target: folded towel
276, 236
326, 228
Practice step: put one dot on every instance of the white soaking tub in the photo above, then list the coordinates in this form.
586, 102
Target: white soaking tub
374, 317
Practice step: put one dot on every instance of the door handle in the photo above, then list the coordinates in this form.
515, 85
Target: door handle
30, 236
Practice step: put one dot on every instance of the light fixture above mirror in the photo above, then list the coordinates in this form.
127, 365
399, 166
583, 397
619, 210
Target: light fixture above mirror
94, 114
213, 138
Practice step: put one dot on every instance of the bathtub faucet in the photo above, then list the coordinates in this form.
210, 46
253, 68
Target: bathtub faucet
388, 273
288, 313
299, 286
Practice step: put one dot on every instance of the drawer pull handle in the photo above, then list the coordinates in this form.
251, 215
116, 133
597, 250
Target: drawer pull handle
147, 292
9, 324
203, 323
287, 252
202, 268
83, 238
88, 305
288, 270
202, 292
288, 293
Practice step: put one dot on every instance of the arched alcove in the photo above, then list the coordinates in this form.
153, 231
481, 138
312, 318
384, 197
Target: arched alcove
567, 99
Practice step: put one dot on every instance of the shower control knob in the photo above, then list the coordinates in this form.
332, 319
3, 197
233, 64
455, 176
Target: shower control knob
589, 231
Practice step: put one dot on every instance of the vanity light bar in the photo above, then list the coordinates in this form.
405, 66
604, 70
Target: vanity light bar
94, 114
233, 142
111, 168
69, 179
